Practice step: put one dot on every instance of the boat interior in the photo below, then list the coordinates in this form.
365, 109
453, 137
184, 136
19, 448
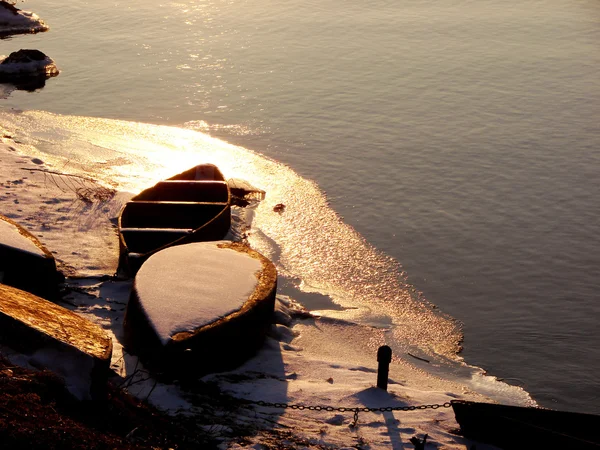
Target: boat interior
170, 210
186, 191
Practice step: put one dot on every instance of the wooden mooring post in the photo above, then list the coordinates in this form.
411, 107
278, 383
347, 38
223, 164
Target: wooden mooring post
384, 358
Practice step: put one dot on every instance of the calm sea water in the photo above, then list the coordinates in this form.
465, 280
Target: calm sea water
461, 138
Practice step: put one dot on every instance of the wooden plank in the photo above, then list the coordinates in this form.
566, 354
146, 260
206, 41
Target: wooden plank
58, 339
142, 240
143, 214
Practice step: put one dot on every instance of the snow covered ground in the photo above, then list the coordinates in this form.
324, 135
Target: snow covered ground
307, 360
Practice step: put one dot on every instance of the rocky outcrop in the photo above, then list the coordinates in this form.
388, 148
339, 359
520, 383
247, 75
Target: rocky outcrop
57, 339
16, 21
27, 64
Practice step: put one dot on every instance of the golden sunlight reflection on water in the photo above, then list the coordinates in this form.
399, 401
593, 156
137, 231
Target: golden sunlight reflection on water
308, 241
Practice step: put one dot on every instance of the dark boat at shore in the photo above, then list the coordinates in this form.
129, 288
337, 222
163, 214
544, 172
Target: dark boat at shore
515, 427
209, 311
192, 206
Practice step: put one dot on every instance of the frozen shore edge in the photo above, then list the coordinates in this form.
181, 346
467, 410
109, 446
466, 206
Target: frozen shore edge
305, 362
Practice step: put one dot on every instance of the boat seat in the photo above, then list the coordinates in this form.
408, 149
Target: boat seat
187, 191
142, 240
129, 230
168, 214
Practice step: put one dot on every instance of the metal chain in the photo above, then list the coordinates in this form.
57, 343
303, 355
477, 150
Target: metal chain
355, 410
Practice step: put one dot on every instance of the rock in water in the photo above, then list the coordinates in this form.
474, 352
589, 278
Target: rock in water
16, 21
26, 64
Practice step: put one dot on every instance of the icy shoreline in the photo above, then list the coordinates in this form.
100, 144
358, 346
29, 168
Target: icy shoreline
306, 361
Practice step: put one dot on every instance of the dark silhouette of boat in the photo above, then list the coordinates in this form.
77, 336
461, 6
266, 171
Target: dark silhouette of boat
516, 427
193, 206
208, 314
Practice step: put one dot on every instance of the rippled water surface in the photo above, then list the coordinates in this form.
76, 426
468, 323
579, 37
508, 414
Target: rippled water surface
461, 138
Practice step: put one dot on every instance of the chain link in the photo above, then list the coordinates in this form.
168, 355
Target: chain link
355, 410
349, 409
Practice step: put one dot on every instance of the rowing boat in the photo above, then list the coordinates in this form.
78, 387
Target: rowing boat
200, 308
192, 206
517, 427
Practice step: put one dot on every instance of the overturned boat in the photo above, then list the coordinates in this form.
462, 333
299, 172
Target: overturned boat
200, 308
516, 427
193, 206
25, 263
